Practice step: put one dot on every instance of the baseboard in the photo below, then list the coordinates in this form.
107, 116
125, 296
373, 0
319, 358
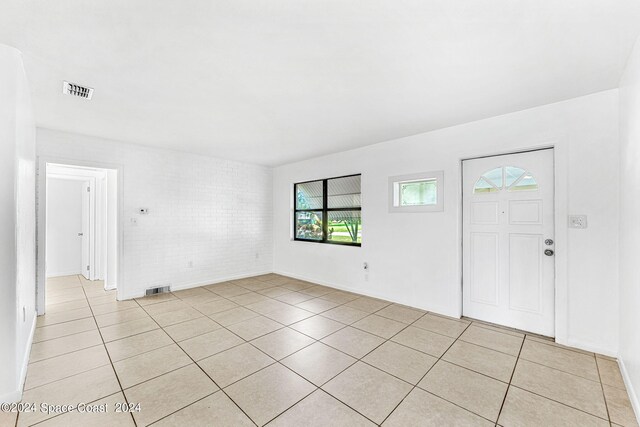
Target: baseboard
436, 310
61, 274
189, 285
16, 395
27, 354
589, 347
633, 396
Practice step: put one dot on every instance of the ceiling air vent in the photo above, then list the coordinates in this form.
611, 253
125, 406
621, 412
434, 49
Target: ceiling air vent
77, 90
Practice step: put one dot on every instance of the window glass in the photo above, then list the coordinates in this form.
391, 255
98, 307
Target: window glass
309, 225
527, 182
512, 174
494, 177
309, 195
345, 226
335, 219
483, 186
416, 192
344, 192
419, 193
515, 179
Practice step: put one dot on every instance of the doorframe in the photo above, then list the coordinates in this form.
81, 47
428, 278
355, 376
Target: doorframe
41, 221
91, 233
560, 196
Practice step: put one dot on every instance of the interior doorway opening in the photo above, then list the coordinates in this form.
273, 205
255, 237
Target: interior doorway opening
80, 226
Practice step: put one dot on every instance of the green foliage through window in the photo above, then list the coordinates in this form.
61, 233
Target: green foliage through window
329, 211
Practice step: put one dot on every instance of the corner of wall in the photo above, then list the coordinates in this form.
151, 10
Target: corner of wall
633, 396
16, 395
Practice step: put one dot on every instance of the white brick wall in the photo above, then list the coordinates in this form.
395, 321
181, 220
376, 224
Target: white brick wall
215, 213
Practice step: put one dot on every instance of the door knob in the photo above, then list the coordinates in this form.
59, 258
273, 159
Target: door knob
548, 252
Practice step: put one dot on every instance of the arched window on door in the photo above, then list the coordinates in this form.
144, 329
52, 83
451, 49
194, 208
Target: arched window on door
510, 178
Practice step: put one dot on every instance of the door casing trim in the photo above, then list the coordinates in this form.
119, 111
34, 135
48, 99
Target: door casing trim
41, 222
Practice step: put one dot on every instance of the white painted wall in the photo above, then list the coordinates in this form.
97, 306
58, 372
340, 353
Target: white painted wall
414, 258
64, 222
629, 230
214, 213
17, 224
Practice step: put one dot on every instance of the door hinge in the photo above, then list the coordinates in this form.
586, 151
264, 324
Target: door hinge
87, 268
88, 189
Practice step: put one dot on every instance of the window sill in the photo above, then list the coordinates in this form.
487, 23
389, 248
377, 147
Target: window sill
355, 245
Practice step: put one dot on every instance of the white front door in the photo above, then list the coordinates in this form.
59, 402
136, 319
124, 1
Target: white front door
86, 230
508, 262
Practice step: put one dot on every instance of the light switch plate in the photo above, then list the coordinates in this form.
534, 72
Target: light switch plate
577, 221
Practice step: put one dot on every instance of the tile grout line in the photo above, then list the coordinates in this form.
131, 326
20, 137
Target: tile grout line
374, 367
360, 359
558, 402
279, 361
471, 322
604, 396
423, 376
192, 403
340, 372
109, 356
515, 366
66, 321
63, 413
557, 346
312, 315
357, 359
201, 369
561, 370
265, 367
110, 363
549, 398
18, 414
385, 340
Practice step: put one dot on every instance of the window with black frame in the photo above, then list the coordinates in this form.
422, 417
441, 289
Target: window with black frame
328, 211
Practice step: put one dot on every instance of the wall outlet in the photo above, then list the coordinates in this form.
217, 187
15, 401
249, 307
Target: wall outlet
577, 221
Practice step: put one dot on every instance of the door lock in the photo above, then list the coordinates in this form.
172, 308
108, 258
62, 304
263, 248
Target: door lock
548, 252
548, 242
80, 234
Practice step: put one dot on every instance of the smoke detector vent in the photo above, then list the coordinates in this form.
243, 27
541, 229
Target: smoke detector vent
77, 90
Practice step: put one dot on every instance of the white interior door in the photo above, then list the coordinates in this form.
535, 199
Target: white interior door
508, 263
86, 230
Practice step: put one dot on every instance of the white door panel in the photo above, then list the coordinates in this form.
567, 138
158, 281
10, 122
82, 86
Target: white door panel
484, 277
507, 217
525, 281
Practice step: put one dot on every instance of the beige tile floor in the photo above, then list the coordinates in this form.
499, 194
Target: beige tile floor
283, 352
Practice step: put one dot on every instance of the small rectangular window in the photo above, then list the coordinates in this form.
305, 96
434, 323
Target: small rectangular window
329, 211
420, 192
